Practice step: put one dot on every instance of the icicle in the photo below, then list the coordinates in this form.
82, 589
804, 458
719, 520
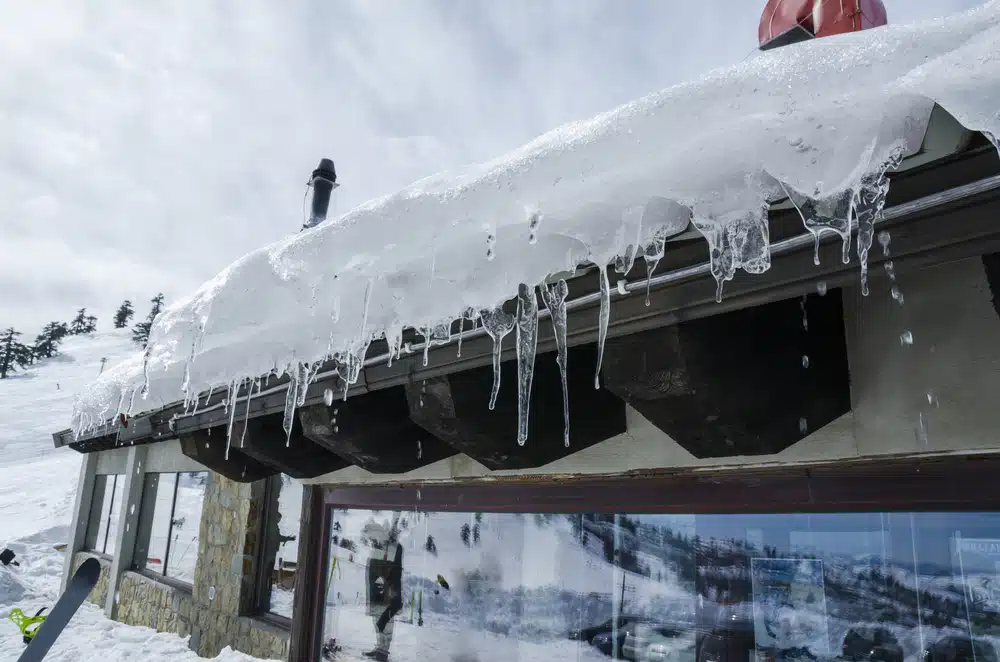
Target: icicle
497, 324
234, 389
624, 262
832, 213
145, 371
526, 344
461, 332
291, 399
652, 253
994, 140
869, 204
246, 417
741, 242
555, 301
602, 330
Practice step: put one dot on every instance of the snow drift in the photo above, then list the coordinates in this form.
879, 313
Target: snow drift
819, 119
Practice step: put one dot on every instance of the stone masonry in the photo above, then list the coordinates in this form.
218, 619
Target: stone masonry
99, 594
213, 612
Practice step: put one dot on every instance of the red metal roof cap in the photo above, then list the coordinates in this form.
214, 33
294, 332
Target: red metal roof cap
822, 18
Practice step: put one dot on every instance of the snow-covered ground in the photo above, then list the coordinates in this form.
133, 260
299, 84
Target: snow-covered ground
36, 501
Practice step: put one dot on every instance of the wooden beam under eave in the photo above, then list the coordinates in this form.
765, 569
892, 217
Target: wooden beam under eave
748, 382
456, 408
374, 432
209, 449
266, 441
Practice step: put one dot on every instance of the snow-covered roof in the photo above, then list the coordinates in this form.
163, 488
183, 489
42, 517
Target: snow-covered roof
815, 118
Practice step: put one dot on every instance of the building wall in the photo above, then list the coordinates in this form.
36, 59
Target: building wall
955, 356
99, 594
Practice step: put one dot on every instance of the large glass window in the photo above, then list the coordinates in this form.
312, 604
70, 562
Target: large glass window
281, 547
880, 587
170, 524
102, 525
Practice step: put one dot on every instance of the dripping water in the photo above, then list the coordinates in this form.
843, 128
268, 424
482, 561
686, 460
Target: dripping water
884, 238
821, 288
497, 324
555, 300
869, 204
805, 314
526, 345
906, 338
602, 329
328, 397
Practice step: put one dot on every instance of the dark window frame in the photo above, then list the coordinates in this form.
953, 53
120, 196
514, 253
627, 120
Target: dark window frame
149, 491
945, 483
97, 511
261, 608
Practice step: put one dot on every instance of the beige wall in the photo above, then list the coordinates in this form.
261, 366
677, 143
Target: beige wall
955, 355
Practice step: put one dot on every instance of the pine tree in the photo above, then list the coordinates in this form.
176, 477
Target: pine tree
140, 333
83, 323
431, 546
466, 531
47, 342
124, 315
12, 353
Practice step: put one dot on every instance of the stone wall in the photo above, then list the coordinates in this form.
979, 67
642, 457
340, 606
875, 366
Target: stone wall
212, 612
152, 604
99, 594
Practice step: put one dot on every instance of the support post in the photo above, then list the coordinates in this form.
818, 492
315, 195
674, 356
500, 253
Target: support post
128, 524
81, 514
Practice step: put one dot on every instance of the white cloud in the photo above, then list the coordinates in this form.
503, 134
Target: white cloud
145, 146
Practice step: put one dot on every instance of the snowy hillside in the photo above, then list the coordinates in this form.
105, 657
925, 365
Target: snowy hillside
36, 501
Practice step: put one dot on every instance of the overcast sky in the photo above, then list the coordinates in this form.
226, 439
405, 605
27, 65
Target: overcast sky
146, 145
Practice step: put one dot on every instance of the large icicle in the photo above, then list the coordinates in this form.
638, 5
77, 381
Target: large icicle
869, 203
555, 301
831, 212
234, 389
527, 344
733, 243
602, 322
497, 324
297, 377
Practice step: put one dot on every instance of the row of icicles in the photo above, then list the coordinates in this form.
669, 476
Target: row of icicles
743, 243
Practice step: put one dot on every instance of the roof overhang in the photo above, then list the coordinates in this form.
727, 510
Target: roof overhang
942, 205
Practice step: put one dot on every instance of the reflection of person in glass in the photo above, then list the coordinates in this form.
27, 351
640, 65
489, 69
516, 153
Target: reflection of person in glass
385, 585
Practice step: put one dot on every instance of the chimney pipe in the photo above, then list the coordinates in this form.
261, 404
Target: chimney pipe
322, 183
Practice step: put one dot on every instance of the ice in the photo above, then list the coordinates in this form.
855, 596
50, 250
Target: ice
234, 390
497, 324
602, 323
869, 202
814, 116
829, 213
527, 343
555, 300
736, 240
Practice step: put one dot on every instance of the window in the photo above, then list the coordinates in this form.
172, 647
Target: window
892, 587
170, 524
102, 526
281, 549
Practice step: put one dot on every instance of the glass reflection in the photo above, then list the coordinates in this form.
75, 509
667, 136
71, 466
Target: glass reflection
885, 587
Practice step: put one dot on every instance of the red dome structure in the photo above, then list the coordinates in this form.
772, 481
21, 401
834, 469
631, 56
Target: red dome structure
789, 21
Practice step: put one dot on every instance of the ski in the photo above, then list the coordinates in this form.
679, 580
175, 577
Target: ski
77, 590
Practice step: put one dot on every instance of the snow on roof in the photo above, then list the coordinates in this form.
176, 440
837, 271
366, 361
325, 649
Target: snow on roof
816, 116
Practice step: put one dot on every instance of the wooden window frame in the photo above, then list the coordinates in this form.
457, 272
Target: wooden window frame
938, 483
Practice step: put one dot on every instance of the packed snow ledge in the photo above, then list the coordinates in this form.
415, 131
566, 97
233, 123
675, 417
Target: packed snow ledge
821, 120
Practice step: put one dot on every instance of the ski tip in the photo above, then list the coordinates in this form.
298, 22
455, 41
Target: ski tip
91, 568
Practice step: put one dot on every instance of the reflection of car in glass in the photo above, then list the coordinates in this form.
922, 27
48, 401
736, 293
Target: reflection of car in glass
871, 643
588, 633
655, 642
726, 645
960, 648
613, 643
